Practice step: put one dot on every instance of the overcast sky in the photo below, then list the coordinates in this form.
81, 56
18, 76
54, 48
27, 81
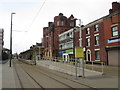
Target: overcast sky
32, 15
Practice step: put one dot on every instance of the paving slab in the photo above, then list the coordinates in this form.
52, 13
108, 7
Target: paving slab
8, 80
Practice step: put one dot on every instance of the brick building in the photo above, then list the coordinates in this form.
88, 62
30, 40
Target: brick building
101, 38
112, 34
34, 53
50, 34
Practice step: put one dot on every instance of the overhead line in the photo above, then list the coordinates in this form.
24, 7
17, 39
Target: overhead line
37, 14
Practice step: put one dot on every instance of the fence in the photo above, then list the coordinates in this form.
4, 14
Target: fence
77, 67
79, 63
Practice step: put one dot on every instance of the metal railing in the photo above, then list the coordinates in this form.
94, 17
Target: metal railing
92, 65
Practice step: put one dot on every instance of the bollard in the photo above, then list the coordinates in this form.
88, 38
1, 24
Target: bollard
92, 65
102, 68
83, 67
76, 68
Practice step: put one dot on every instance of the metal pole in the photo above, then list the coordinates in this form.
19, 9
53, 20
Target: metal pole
102, 68
74, 53
11, 39
92, 65
83, 67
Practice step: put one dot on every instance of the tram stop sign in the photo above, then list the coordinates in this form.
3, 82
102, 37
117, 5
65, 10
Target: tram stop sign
79, 52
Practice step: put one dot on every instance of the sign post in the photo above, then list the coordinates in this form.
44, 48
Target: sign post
79, 53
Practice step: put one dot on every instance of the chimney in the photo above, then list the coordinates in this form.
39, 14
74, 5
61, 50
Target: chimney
110, 11
115, 6
50, 23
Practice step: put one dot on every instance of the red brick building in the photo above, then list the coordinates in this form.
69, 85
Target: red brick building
101, 38
50, 34
112, 34
93, 41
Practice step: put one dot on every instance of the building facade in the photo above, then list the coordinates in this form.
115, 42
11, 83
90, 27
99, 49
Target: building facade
34, 53
50, 34
67, 40
112, 34
93, 41
101, 38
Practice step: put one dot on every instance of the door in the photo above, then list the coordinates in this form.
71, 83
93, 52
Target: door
88, 55
65, 57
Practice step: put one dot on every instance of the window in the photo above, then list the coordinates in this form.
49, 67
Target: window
71, 34
62, 23
60, 47
97, 40
97, 55
115, 31
88, 41
96, 27
72, 23
58, 23
68, 34
87, 30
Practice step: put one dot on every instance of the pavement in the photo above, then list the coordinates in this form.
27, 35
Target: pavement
8, 80
92, 78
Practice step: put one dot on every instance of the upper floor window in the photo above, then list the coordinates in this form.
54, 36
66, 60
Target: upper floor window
114, 31
97, 40
58, 23
96, 27
87, 30
62, 23
88, 41
72, 23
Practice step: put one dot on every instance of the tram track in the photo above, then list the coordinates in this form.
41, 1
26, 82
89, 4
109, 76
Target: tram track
20, 81
93, 88
68, 86
45, 73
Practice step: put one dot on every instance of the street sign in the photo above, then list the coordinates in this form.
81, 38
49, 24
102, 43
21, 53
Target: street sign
79, 52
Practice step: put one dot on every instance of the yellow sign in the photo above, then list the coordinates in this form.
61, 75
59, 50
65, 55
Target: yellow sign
79, 52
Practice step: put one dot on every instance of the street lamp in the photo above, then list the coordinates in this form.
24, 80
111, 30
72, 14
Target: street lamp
11, 39
74, 45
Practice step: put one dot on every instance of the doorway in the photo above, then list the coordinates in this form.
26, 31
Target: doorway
88, 55
65, 57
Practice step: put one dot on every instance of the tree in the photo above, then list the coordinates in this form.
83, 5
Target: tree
5, 56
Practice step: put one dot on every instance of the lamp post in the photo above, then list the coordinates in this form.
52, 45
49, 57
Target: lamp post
74, 45
74, 53
11, 39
